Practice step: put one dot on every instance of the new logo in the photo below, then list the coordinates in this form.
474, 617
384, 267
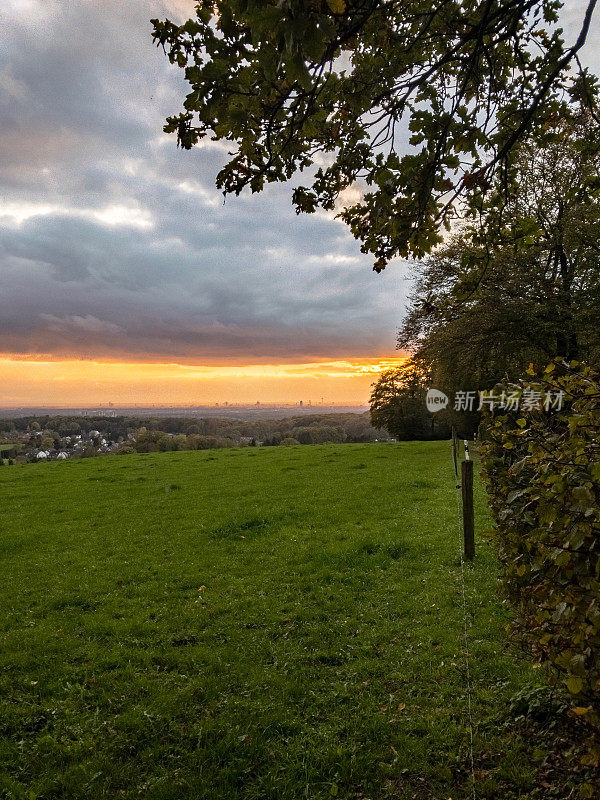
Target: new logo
436, 400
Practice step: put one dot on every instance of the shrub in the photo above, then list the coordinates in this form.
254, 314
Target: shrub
542, 471
318, 434
89, 451
197, 442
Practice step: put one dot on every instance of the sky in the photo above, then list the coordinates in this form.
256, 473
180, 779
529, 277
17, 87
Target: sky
125, 277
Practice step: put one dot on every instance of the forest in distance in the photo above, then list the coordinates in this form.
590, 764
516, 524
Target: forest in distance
47, 437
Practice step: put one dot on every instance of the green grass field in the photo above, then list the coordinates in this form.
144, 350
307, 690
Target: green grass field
257, 623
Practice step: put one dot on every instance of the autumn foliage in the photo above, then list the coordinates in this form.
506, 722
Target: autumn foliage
542, 470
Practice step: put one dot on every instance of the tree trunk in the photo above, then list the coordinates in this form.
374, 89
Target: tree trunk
567, 344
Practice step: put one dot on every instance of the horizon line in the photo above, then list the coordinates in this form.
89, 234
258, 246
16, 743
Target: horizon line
225, 404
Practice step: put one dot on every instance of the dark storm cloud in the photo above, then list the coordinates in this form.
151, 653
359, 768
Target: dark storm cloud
115, 244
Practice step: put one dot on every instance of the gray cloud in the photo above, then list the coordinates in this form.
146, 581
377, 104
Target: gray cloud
115, 244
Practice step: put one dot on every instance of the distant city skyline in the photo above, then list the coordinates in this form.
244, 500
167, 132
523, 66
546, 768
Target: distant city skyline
113, 407
29, 382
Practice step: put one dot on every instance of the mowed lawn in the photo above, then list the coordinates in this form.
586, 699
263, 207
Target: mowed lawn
256, 623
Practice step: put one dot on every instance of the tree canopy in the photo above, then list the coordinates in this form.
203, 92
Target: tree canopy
398, 404
337, 87
524, 285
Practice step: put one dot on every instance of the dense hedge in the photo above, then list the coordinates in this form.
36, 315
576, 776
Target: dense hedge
542, 471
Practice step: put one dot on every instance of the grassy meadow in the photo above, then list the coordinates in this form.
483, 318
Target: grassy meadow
261, 623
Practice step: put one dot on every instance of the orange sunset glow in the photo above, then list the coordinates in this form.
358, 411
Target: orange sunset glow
27, 381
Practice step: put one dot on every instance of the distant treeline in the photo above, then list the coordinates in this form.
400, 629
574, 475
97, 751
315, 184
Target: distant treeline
151, 434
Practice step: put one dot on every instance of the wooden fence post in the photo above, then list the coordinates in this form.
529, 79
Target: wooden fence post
467, 508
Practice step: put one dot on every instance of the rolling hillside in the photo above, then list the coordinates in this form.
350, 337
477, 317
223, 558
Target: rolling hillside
256, 623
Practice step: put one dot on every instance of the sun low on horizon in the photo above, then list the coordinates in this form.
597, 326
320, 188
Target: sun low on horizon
29, 381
